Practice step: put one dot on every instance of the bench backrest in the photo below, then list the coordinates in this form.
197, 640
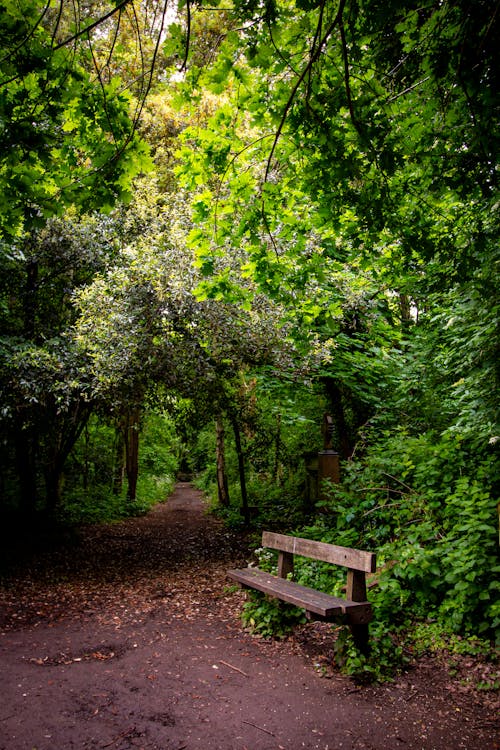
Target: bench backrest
349, 558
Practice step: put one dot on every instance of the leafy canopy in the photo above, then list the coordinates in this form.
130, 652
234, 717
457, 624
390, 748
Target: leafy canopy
66, 137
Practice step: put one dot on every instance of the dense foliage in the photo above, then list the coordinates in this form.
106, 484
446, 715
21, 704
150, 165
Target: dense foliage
353, 170
66, 138
218, 224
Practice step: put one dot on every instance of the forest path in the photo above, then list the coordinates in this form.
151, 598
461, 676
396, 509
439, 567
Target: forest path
126, 636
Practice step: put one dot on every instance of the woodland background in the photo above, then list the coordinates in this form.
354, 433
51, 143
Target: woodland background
220, 221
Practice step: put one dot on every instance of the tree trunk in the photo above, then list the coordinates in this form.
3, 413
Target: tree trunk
86, 460
132, 453
222, 488
62, 435
405, 309
277, 451
26, 436
241, 468
340, 424
53, 486
119, 467
25, 446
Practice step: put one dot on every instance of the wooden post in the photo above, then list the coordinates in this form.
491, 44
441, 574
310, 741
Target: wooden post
356, 592
328, 459
285, 564
356, 585
328, 468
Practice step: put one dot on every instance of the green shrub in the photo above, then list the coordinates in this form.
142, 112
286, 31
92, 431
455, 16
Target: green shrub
270, 618
384, 659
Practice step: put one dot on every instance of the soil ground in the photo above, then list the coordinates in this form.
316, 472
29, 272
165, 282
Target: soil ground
127, 636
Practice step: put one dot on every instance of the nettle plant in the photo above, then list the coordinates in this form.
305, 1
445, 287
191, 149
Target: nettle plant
270, 618
435, 535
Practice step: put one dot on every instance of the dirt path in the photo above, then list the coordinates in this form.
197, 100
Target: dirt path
126, 637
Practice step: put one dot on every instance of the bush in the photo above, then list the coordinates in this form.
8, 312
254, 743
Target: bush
270, 618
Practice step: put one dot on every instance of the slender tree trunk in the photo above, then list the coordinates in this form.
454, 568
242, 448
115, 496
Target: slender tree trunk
340, 424
277, 450
27, 438
119, 468
64, 433
405, 308
53, 486
86, 460
222, 488
25, 447
241, 468
53, 464
132, 453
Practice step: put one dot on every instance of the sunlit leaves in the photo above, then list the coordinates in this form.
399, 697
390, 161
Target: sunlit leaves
66, 138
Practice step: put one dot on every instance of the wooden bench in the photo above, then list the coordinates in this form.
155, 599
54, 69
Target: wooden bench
354, 610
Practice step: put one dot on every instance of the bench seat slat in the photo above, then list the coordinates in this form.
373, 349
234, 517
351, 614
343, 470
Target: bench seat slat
313, 601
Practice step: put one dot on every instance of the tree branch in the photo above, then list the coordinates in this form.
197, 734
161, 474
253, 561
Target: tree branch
93, 25
312, 59
188, 37
347, 77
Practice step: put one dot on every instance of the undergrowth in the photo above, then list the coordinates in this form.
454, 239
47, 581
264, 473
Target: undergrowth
100, 505
434, 590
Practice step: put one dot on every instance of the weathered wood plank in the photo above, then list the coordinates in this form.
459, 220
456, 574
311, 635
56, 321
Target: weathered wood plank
349, 558
281, 588
317, 602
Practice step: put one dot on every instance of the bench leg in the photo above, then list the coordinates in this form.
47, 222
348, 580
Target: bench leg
356, 590
360, 637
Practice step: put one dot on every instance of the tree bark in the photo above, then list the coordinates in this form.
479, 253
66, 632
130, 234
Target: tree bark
340, 424
119, 467
222, 487
25, 447
277, 452
241, 468
132, 453
61, 438
53, 486
405, 309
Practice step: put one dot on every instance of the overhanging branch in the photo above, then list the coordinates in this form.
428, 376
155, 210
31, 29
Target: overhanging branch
93, 25
314, 56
